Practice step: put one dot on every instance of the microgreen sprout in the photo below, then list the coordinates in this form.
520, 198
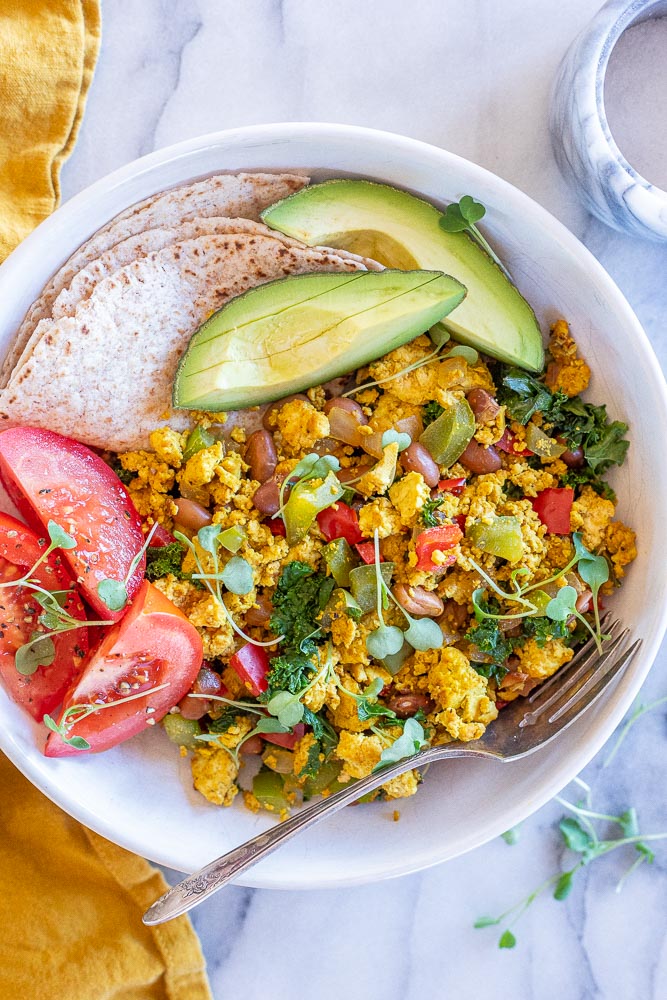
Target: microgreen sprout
114, 592
77, 713
410, 742
593, 570
265, 724
288, 707
580, 835
395, 437
312, 466
238, 576
637, 714
386, 639
462, 216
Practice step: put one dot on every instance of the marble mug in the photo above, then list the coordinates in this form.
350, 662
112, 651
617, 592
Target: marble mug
584, 147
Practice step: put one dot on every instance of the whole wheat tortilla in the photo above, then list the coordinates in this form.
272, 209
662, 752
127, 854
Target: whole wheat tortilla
104, 375
229, 195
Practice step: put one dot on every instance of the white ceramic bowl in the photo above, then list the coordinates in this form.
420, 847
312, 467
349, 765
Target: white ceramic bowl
139, 795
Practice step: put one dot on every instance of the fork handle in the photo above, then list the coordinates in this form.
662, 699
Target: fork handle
193, 889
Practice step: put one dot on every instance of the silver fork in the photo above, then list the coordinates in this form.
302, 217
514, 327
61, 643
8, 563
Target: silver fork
517, 732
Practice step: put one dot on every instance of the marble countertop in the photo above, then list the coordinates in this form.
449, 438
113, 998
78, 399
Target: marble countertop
473, 78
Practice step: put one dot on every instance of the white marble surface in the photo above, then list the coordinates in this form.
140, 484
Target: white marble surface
472, 76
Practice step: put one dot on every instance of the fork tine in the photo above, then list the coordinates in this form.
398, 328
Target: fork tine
592, 661
581, 653
596, 683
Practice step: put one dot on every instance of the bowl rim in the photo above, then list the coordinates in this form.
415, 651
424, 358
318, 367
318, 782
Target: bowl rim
13, 271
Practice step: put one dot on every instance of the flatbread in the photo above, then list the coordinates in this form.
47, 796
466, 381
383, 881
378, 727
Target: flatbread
229, 195
104, 375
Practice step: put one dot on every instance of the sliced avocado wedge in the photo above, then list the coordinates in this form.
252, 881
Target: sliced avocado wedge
399, 230
290, 334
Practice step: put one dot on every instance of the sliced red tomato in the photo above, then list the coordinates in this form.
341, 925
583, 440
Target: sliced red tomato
161, 537
252, 665
439, 539
51, 477
42, 691
287, 740
553, 507
367, 552
153, 645
455, 486
340, 521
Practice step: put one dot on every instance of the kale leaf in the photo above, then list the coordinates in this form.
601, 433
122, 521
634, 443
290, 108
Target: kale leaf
429, 512
299, 598
492, 671
431, 411
289, 672
313, 762
489, 637
586, 477
542, 629
124, 475
163, 559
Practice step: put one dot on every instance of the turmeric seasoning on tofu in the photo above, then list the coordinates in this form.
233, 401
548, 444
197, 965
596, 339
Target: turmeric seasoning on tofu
350, 588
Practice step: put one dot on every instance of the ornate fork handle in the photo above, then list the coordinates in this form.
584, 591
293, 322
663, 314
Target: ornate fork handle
188, 893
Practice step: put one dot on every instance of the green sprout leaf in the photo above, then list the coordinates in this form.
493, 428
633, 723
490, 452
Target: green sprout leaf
384, 641
395, 437
564, 885
237, 576
408, 744
34, 654
208, 538
574, 835
59, 537
287, 707
507, 940
423, 634
562, 606
113, 593
512, 836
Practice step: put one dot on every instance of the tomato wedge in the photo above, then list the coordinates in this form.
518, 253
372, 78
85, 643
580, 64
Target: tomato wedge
252, 665
553, 507
51, 477
42, 691
153, 645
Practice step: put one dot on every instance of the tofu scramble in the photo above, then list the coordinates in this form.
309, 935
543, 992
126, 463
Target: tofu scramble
336, 499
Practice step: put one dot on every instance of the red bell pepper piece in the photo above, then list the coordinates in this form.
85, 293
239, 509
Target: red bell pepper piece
461, 521
455, 486
507, 444
251, 663
446, 536
340, 521
277, 527
367, 552
287, 740
553, 507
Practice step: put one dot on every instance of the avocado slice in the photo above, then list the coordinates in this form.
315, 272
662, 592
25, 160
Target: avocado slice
399, 230
289, 334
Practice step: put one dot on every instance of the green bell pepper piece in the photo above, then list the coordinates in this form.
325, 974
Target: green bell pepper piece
501, 537
198, 439
363, 584
340, 559
306, 500
182, 731
449, 436
269, 789
232, 538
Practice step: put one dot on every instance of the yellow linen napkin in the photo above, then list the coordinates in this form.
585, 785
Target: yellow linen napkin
70, 901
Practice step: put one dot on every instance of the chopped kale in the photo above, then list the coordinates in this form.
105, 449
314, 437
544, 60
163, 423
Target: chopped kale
579, 424
299, 598
492, 671
431, 411
542, 629
124, 475
323, 731
163, 559
429, 512
289, 672
488, 636
586, 477
222, 723
313, 762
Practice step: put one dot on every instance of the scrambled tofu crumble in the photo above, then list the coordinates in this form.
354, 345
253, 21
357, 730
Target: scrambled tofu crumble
456, 542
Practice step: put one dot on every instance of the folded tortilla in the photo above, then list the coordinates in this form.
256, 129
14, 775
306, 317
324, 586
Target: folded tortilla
223, 195
104, 374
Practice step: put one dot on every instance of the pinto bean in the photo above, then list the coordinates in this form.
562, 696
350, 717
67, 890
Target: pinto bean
267, 497
419, 601
454, 614
477, 458
574, 458
584, 602
260, 454
483, 405
191, 514
261, 614
254, 745
345, 403
406, 704
206, 682
416, 458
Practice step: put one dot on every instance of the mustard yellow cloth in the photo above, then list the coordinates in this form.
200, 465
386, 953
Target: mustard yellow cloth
70, 901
